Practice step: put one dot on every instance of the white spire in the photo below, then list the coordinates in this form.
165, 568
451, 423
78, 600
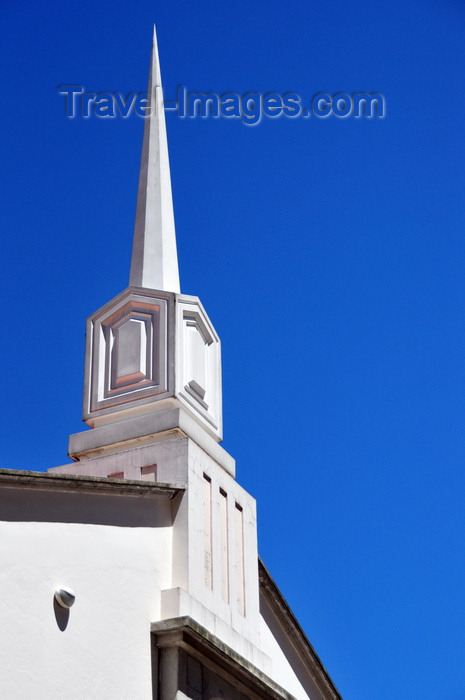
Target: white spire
154, 261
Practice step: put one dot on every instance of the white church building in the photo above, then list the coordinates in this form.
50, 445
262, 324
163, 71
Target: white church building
133, 572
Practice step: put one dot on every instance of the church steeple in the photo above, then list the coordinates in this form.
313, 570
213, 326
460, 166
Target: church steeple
151, 349
154, 262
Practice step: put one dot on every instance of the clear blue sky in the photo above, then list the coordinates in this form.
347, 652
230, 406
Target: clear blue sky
330, 255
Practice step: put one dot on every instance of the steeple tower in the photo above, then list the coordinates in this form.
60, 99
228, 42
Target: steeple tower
151, 349
154, 258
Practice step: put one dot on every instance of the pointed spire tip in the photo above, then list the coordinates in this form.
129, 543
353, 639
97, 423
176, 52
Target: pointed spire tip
154, 262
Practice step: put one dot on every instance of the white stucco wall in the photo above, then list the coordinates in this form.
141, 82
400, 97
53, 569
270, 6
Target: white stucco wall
287, 667
116, 572
281, 670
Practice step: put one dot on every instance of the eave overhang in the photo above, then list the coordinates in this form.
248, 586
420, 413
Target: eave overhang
46, 481
185, 633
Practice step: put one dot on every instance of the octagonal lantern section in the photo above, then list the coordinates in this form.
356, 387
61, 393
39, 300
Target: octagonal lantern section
148, 350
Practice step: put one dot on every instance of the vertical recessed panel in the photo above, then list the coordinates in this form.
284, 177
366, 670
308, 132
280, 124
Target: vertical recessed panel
240, 584
131, 348
195, 358
224, 546
207, 532
129, 354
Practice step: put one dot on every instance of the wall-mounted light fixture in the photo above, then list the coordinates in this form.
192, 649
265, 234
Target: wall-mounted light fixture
65, 597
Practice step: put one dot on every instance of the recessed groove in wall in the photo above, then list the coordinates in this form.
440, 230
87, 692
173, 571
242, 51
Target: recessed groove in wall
149, 473
239, 518
224, 546
207, 532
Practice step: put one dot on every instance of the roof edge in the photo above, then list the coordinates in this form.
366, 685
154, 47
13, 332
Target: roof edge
190, 635
15, 478
295, 633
